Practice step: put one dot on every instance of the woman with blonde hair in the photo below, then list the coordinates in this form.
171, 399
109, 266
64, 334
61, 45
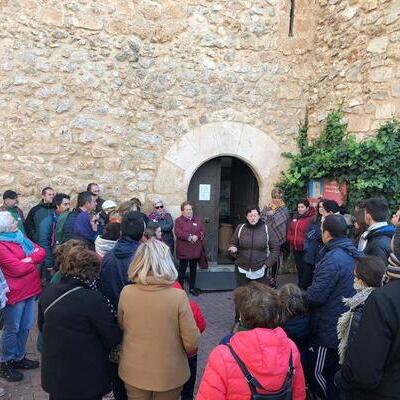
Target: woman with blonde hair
158, 325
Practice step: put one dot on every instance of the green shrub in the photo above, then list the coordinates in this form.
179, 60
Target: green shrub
370, 167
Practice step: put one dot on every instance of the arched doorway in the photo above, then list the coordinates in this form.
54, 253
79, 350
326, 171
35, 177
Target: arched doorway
220, 190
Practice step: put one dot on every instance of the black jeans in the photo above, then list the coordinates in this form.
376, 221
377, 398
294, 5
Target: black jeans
183, 264
299, 261
188, 387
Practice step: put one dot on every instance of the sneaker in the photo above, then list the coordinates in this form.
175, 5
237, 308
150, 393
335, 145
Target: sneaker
9, 373
2, 392
25, 363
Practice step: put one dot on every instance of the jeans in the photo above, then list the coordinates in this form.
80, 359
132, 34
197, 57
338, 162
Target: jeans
18, 320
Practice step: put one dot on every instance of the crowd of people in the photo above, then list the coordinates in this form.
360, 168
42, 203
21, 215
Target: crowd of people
110, 283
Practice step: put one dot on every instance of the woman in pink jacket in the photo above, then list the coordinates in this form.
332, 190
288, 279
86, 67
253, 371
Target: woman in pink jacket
261, 346
18, 261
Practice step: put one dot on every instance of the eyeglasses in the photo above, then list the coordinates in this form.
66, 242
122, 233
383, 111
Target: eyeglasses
158, 207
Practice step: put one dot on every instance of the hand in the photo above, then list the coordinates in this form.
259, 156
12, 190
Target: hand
27, 260
233, 249
195, 238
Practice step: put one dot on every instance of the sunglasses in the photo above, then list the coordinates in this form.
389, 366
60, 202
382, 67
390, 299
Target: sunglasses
158, 207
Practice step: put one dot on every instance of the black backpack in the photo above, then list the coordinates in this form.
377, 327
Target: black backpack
284, 393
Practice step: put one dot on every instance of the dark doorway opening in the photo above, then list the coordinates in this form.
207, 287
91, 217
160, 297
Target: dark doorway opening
220, 190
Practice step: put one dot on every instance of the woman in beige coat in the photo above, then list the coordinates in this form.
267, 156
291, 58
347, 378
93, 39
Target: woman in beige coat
158, 325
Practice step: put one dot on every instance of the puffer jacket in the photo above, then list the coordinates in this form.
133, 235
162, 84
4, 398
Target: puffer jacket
298, 229
333, 280
265, 352
255, 246
22, 278
378, 242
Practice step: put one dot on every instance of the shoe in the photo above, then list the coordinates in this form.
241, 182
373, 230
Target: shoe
9, 373
25, 363
2, 392
195, 291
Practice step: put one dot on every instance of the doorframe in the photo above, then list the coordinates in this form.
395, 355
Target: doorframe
254, 147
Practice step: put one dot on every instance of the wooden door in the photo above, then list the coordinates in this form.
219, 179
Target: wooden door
244, 191
204, 193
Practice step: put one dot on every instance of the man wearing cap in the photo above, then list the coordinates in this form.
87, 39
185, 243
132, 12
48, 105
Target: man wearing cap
10, 204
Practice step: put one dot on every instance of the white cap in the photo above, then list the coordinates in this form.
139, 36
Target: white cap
109, 204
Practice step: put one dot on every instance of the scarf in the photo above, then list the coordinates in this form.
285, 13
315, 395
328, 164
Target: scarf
344, 322
92, 285
280, 204
18, 237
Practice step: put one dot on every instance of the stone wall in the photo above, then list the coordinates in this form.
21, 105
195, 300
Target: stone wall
356, 63
101, 90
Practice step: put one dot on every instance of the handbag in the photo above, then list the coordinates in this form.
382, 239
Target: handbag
284, 393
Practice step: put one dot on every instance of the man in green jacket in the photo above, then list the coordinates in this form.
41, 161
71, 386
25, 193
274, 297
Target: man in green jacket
47, 232
10, 204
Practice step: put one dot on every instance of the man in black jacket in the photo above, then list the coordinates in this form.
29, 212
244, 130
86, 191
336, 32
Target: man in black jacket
39, 212
371, 368
375, 241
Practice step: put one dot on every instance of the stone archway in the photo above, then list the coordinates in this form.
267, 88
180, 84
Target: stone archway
208, 141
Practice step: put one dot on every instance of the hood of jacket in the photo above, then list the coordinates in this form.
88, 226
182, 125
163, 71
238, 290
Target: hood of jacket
102, 246
265, 352
387, 230
125, 247
344, 244
46, 205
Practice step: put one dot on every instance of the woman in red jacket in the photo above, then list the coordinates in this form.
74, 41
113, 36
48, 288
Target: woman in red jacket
18, 260
296, 235
189, 232
262, 347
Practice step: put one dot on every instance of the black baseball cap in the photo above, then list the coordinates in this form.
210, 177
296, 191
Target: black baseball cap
10, 194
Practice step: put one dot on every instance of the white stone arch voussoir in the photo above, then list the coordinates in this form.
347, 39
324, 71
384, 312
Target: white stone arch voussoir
251, 145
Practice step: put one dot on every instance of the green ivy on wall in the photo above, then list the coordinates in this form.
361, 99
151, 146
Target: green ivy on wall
370, 167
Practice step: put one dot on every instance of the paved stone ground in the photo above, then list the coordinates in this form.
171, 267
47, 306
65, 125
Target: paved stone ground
219, 313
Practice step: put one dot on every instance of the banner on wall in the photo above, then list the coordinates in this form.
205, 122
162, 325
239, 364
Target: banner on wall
327, 189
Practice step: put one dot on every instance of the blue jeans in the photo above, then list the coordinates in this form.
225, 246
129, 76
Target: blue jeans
18, 320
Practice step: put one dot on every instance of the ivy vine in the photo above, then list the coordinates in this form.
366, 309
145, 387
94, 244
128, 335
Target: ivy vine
370, 167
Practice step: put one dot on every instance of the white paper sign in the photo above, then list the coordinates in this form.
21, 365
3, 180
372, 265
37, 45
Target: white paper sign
204, 192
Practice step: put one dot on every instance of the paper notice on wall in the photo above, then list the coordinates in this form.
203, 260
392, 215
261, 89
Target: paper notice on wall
204, 192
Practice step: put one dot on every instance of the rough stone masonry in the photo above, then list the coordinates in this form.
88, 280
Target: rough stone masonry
102, 89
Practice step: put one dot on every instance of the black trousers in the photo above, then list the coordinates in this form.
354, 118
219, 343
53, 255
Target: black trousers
183, 264
323, 363
188, 387
299, 261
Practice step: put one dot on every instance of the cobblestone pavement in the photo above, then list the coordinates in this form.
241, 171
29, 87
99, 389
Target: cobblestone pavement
219, 313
